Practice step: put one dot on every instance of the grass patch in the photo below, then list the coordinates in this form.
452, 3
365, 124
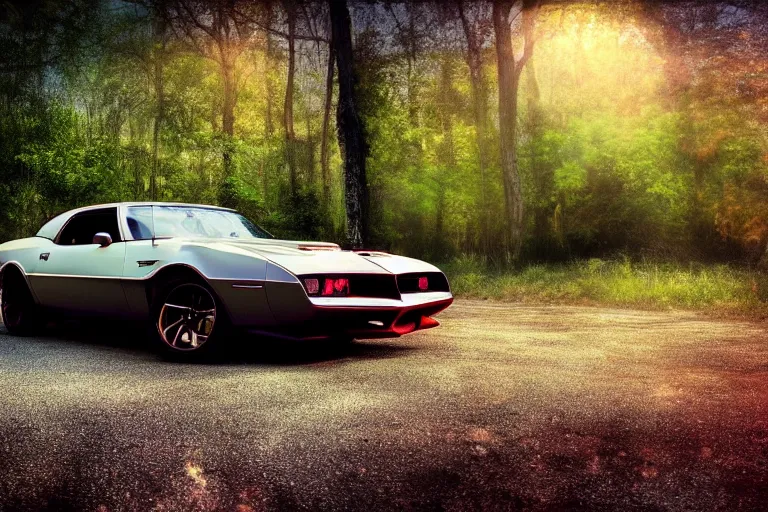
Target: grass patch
717, 289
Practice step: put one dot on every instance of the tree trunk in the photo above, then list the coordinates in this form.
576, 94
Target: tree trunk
269, 124
447, 156
509, 80
350, 127
290, 135
413, 106
326, 129
543, 176
159, 86
228, 114
480, 114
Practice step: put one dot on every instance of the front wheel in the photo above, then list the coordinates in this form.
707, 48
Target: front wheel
187, 319
18, 307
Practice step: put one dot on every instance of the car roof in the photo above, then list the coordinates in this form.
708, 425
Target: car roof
51, 228
149, 203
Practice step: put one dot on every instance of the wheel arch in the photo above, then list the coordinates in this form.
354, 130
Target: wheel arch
182, 272
169, 273
15, 266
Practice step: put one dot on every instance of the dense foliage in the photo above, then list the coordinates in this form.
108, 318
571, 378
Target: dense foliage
641, 128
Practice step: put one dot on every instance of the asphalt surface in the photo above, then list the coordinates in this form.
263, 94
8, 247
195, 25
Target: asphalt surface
503, 407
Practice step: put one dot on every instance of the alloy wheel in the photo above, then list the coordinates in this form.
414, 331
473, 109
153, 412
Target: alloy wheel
187, 317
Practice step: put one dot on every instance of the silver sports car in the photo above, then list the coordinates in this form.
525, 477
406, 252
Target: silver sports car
195, 272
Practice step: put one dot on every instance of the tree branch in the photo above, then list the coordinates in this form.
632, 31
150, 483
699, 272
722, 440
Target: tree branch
284, 35
530, 10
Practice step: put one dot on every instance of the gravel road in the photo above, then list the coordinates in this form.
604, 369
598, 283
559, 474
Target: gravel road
503, 407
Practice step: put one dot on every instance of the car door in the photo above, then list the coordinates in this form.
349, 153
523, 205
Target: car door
76, 274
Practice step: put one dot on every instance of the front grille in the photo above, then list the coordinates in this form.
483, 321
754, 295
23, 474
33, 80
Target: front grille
373, 285
409, 283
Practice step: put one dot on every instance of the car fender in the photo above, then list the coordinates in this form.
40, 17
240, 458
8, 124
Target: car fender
236, 276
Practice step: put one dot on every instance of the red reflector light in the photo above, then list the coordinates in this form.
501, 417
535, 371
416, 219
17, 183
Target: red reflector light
423, 284
313, 286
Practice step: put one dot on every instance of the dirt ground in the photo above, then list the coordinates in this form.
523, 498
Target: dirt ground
504, 407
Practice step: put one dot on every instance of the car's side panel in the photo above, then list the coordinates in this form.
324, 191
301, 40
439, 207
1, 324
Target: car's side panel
287, 299
245, 301
83, 278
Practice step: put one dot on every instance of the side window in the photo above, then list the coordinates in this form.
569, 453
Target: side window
139, 221
81, 228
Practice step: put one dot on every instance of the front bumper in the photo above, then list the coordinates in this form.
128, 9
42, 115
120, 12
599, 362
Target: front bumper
365, 317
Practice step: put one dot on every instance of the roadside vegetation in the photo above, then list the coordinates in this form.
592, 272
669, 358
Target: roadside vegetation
720, 290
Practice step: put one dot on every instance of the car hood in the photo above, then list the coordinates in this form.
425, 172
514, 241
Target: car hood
301, 258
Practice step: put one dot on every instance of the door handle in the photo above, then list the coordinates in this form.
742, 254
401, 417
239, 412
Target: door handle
44, 256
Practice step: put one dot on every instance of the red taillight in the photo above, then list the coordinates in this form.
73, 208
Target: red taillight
332, 287
423, 284
341, 286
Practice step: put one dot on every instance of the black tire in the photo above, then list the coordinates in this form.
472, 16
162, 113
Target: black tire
177, 330
19, 311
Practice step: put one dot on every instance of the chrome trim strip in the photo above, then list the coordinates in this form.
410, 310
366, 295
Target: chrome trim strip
248, 286
408, 300
70, 276
151, 274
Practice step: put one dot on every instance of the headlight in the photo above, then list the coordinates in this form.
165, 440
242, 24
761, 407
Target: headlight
332, 286
312, 286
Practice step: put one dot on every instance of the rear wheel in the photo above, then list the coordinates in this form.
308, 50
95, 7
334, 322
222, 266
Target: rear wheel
18, 309
187, 319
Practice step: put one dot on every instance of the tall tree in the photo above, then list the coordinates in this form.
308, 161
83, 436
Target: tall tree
350, 125
290, 33
159, 44
289, 6
447, 97
509, 70
476, 32
269, 124
217, 30
324, 139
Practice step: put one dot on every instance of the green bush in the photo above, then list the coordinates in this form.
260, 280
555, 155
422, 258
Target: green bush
717, 289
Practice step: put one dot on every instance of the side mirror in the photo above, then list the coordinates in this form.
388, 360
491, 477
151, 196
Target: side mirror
103, 239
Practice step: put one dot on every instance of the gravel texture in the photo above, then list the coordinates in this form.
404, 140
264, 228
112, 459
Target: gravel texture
503, 407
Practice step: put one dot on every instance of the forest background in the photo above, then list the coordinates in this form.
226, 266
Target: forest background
559, 151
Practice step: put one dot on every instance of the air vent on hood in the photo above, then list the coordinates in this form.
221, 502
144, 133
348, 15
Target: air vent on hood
310, 247
372, 254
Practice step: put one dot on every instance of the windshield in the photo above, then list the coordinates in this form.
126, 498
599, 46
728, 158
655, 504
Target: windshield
189, 222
